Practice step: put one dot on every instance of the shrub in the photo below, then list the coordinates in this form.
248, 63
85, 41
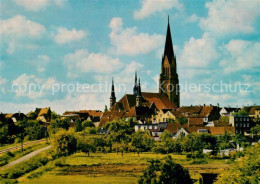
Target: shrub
90, 130
65, 143
165, 171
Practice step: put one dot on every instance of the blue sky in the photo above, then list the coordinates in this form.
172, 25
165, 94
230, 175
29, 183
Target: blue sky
49, 43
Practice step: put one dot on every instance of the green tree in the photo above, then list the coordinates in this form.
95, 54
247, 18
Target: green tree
245, 171
64, 143
59, 124
105, 110
86, 145
87, 123
255, 130
224, 119
35, 129
142, 141
242, 112
54, 115
21, 125
182, 120
165, 171
78, 126
4, 133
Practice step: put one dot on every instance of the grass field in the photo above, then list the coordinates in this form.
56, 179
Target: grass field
109, 168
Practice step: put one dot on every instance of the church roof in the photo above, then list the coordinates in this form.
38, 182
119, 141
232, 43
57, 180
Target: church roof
128, 101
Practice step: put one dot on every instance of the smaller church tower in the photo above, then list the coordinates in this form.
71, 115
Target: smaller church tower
113, 96
135, 89
139, 95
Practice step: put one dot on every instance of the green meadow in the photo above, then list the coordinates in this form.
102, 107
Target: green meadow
110, 168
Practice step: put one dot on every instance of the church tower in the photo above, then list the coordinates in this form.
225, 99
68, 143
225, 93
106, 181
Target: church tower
169, 81
113, 96
135, 89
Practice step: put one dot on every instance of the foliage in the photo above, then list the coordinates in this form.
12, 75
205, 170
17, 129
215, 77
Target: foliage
182, 120
64, 143
242, 112
54, 115
90, 130
35, 129
255, 130
78, 126
59, 124
86, 145
105, 110
247, 170
198, 142
166, 171
87, 123
224, 119
142, 141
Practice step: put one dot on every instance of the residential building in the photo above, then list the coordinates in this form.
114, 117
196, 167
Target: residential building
242, 124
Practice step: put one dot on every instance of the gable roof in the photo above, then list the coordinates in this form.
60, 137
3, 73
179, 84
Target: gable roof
251, 109
110, 116
213, 130
159, 100
195, 121
198, 111
44, 111
139, 111
93, 113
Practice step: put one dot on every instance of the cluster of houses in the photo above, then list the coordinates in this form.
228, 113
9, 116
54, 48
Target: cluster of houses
158, 117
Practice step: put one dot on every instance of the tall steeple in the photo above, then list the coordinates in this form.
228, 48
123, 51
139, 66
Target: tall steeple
113, 96
139, 95
168, 48
169, 81
135, 89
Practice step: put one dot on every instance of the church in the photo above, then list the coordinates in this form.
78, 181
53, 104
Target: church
143, 105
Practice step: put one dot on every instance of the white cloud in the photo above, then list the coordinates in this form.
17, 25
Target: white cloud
226, 17
20, 26
192, 18
40, 62
129, 42
65, 36
199, 53
83, 61
30, 86
2, 80
150, 7
15, 29
241, 55
36, 5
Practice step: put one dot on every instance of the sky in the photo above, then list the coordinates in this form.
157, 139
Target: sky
63, 53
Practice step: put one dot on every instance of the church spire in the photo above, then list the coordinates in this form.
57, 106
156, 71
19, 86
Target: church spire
139, 93
135, 89
113, 96
168, 49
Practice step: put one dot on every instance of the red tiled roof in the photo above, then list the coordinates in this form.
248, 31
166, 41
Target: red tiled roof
93, 113
251, 109
213, 130
160, 100
195, 121
110, 116
128, 101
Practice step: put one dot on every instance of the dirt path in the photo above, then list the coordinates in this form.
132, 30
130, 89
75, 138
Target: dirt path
26, 157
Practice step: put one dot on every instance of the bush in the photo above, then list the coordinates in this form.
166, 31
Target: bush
8, 181
65, 143
87, 123
90, 130
165, 171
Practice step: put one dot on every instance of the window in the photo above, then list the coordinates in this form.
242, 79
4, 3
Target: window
244, 125
163, 119
241, 124
236, 131
236, 124
241, 119
247, 124
247, 119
